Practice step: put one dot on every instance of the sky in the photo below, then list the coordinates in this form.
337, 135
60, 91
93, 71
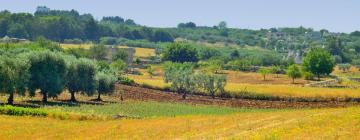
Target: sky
334, 15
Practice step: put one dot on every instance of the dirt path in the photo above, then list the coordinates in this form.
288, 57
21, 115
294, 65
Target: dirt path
139, 93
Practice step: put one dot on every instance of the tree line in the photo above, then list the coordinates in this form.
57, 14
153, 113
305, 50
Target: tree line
70, 26
51, 72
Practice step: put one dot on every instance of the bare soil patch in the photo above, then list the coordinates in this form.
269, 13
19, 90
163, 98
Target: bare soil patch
144, 94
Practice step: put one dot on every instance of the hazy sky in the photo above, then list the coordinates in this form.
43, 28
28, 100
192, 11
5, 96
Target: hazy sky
335, 15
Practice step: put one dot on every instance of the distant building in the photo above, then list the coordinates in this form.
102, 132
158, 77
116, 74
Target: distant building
43, 9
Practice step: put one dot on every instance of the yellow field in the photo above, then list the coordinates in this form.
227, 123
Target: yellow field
139, 52
268, 89
142, 52
70, 46
340, 123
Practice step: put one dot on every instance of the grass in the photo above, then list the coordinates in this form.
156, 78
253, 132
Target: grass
149, 109
270, 91
336, 123
20, 111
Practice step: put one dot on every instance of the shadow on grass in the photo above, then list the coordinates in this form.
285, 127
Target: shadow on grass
68, 103
27, 105
52, 103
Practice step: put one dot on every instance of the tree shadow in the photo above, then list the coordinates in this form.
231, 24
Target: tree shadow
53, 103
27, 105
90, 102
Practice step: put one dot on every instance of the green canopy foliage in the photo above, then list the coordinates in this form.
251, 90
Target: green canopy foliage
180, 52
319, 62
47, 70
14, 76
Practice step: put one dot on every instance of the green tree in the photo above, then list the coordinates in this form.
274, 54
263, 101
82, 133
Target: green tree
151, 71
222, 25
81, 77
103, 66
47, 72
319, 62
180, 75
105, 84
276, 70
14, 76
120, 55
234, 54
98, 52
264, 72
17, 30
180, 52
211, 83
215, 65
162, 36
293, 72
118, 67
91, 29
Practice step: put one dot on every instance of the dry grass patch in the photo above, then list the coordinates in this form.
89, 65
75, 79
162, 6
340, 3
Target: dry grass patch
72, 46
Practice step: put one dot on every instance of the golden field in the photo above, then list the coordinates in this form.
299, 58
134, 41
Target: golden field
142, 52
336, 123
72, 46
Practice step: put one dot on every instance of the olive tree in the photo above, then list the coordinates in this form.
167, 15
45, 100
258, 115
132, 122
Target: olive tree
47, 73
118, 67
151, 71
14, 76
264, 72
293, 72
81, 77
211, 83
180, 76
276, 70
105, 84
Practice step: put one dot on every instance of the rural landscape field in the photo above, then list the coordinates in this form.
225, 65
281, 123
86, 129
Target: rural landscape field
83, 71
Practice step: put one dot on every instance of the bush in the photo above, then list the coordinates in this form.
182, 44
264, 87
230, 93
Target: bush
108, 40
308, 75
20, 111
126, 81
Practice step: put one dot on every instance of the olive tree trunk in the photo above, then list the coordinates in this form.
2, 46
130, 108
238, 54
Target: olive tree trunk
44, 99
99, 97
11, 99
72, 99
